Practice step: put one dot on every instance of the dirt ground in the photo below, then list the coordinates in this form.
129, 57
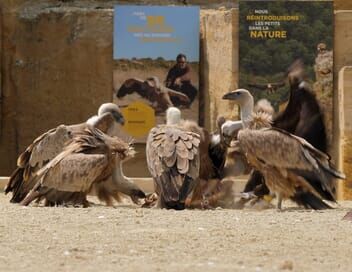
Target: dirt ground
129, 238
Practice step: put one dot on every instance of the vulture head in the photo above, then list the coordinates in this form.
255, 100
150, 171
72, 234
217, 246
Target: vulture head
114, 110
241, 97
173, 116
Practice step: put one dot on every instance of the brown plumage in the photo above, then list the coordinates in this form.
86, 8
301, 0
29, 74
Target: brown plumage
210, 191
152, 90
90, 158
302, 117
49, 145
289, 164
173, 161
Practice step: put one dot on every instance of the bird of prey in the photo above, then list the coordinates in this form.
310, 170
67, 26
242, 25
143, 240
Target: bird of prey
91, 157
302, 117
290, 165
306, 177
270, 87
151, 89
173, 161
48, 145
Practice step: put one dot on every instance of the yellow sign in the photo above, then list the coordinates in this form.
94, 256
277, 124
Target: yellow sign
139, 119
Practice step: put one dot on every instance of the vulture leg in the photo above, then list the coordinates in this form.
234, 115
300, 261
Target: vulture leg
279, 201
30, 197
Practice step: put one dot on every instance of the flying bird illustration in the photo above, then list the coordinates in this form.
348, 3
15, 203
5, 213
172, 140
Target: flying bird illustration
173, 161
91, 157
270, 87
151, 89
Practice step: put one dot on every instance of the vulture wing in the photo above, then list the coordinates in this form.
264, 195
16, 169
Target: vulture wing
173, 161
291, 155
89, 158
43, 149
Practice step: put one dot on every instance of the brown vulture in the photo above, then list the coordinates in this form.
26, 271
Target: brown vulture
151, 89
302, 117
290, 165
323, 185
173, 161
51, 143
91, 157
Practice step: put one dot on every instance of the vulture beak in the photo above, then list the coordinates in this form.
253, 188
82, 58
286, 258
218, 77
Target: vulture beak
118, 117
231, 95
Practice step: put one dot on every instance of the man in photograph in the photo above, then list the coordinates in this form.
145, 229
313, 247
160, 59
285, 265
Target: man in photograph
179, 79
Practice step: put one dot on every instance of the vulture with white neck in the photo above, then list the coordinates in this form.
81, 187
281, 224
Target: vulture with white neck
50, 144
291, 167
302, 117
91, 157
173, 159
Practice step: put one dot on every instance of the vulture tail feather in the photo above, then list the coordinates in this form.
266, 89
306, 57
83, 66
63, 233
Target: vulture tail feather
309, 200
325, 189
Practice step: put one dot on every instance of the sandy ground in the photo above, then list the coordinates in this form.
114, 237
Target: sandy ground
128, 238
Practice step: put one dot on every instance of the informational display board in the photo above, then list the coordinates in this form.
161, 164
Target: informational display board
275, 34
156, 63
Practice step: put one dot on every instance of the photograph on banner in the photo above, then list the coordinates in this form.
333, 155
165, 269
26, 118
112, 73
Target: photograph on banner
277, 36
156, 65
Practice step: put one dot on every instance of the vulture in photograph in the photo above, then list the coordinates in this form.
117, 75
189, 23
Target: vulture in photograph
151, 89
292, 168
295, 169
270, 87
51, 143
91, 157
173, 157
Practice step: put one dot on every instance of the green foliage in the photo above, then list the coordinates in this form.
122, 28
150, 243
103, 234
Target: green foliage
267, 60
314, 27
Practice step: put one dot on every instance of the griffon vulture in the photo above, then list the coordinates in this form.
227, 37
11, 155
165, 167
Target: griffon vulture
152, 90
302, 117
291, 178
49, 144
91, 157
290, 165
173, 161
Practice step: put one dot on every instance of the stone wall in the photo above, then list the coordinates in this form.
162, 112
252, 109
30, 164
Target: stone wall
345, 129
56, 64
